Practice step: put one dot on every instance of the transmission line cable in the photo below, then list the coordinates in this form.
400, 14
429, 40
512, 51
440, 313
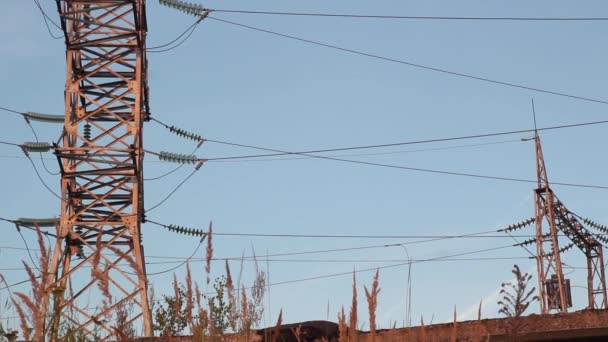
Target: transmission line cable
188, 32
373, 153
409, 17
415, 142
47, 19
173, 191
182, 158
415, 65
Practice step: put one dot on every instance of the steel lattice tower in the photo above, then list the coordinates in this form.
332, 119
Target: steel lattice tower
548, 258
554, 290
97, 266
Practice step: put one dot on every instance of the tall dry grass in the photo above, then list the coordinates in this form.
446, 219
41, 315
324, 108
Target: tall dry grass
352, 335
277, 329
30, 308
372, 305
342, 326
209, 252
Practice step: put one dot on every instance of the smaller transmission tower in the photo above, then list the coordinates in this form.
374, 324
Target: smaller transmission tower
554, 290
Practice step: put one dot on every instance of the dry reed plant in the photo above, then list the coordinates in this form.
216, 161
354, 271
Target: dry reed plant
233, 316
177, 302
353, 312
189, 297
35, 303
25, 329
372, 305
209, 252
297, 331
342, 327
454, 334
277, 329
102, 278
422, 330
246, 321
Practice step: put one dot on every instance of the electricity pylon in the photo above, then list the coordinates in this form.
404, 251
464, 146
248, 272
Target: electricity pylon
97, 269
554, 290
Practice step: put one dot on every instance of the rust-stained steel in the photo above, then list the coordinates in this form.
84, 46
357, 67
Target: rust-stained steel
552, 291
553, 288
100, 156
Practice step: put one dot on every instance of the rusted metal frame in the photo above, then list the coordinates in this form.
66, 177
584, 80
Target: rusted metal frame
94, 319
125, 275
97, 157
122, 17
588, 245
112, 232
109, 131
99, 24
115, 127
135, 317
104, 106
100, 161
100, 184
109, 58
100, 199
603, 278
106, 63
115, 267
65, 315
540, 254
545, 208
103, 41
116, 171
88, 259
112, 84
107, 94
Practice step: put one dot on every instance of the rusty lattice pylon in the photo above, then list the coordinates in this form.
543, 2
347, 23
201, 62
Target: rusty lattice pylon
554, 290
100, 156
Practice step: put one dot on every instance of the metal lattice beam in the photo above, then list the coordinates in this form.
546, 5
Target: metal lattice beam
553, 288
101, 158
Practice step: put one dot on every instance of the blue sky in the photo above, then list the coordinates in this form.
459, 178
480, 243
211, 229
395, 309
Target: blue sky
232, 84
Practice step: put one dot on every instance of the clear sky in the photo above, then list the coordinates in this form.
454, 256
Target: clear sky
232, 84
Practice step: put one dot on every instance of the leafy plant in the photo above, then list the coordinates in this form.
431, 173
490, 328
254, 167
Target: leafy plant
170, 316
515, 295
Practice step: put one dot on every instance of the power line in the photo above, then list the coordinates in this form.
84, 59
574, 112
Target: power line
414, 142
409, 17
48, 19
188, 32
412, 64
401, 167
452, 173
173, 191
372, 153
